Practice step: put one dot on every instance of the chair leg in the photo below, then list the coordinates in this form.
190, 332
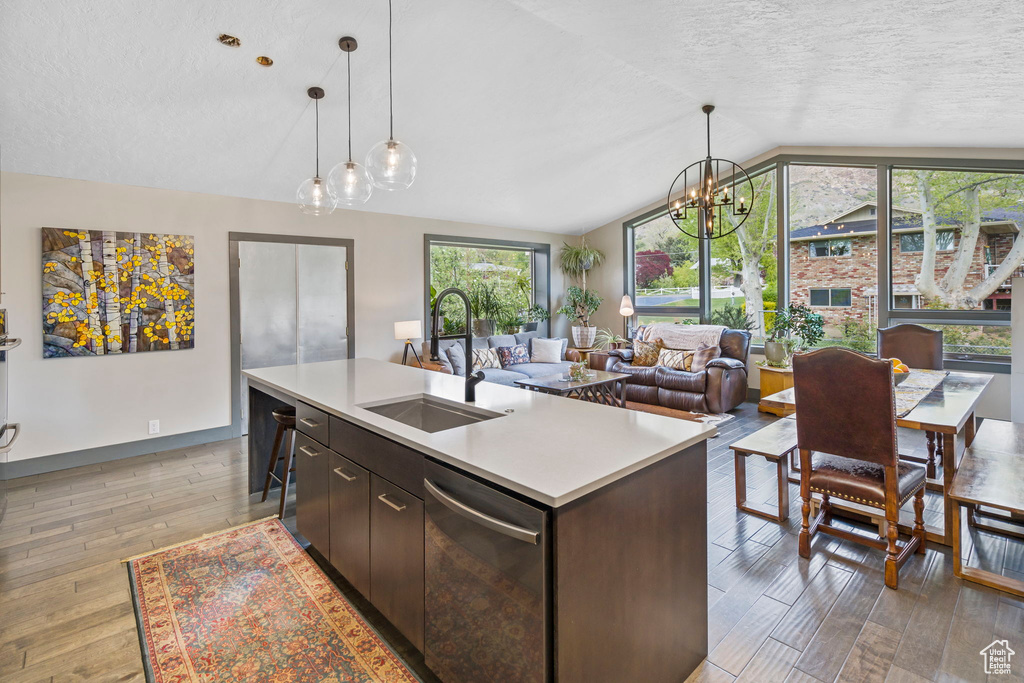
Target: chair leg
892, 569
805, 528
826, 505
287, 474
919, 532
273, 460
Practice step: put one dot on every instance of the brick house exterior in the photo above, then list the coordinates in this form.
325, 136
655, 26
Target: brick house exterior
843, 284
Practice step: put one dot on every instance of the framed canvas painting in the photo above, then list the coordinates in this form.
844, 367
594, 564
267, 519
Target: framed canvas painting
107, 292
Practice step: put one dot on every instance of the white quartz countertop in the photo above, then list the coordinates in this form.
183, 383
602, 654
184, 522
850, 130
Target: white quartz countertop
550, 449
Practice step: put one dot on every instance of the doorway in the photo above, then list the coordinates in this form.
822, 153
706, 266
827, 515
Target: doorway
291, 303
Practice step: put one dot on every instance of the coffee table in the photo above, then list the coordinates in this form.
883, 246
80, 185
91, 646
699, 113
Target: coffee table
605, 388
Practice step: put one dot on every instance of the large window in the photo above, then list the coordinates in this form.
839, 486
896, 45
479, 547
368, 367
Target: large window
744, 265
954, 236
950, 239
504, 281
833, 213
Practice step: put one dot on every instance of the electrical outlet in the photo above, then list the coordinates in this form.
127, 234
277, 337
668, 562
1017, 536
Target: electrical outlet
154, 426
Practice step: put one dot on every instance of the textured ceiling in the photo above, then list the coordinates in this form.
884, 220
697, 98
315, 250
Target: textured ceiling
524, 113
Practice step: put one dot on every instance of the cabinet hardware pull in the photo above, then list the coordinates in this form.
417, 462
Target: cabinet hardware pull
343, 474
309, 422
384, 499
309, 451
485, 520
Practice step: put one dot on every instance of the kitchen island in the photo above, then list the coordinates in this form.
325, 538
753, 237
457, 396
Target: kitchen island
538, 539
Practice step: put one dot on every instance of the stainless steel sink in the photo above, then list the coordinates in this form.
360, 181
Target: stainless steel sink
429, 413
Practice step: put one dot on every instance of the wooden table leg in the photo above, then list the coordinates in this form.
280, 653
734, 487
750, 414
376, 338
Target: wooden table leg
950, 460
783, 464
970, 429
930, 465
953, 524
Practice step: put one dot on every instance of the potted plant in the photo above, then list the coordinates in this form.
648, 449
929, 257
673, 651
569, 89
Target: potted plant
575, 261
534, 316
485, 306
793, 329
580, 304
606, 339
509, 320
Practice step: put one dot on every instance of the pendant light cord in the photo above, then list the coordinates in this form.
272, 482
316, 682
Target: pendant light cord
391, 87
709, 133
348, 59
316, 108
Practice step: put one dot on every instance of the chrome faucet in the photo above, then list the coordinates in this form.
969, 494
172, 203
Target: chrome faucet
472, 378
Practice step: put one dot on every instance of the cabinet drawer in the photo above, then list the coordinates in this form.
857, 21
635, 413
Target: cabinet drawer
350, 521
311, 421
396, 557
394, 462
312, 509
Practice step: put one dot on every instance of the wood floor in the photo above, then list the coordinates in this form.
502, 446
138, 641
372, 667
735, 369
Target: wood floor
66, 612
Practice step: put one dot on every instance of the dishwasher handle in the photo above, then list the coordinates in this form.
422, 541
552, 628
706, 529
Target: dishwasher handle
483, 519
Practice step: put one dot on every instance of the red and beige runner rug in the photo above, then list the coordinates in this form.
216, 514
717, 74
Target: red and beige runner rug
249, 604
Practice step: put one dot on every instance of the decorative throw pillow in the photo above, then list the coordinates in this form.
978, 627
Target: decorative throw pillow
485, 358
546, 351
513, 355
703, 354
645, 354
456, 358
677, 359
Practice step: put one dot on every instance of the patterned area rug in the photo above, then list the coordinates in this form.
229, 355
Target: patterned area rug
247, 604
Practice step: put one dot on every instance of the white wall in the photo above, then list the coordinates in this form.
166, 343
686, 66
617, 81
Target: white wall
68, 404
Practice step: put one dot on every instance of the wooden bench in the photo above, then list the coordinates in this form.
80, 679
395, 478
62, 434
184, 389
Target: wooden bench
776, 443
990, 475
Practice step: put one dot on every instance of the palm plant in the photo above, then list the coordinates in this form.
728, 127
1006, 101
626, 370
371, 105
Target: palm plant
608, 339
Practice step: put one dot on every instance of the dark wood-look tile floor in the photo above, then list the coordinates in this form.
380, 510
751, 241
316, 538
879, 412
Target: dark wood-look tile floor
66, 611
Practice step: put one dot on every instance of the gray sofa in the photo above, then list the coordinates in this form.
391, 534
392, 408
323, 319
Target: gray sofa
509, 375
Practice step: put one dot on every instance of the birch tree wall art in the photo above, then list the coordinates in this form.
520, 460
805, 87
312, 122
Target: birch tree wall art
107, 292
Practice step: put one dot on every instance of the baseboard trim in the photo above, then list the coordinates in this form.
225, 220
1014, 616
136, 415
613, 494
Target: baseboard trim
100, 454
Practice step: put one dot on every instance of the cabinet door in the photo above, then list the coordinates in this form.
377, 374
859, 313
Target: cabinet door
350, 521
312, 508
396, 557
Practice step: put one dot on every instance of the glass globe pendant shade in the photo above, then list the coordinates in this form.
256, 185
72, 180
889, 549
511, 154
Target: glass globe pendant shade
315, 198
392, 165
350, 183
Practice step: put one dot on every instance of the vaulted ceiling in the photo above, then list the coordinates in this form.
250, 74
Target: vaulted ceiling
540, 114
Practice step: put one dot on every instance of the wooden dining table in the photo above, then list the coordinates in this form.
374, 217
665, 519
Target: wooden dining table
949, 412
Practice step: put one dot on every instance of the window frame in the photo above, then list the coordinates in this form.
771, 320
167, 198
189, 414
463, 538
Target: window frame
886, 314
831, 297
946, 231
829, 241
540, 269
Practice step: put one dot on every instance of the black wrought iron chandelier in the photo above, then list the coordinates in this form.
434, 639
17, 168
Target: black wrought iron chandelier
719, 191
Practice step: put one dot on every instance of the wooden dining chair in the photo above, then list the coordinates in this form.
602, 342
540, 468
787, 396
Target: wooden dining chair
918, 347
847, 440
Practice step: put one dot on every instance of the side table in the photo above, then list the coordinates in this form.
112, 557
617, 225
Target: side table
774, 380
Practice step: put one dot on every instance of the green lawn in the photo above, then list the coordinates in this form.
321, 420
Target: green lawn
716, 304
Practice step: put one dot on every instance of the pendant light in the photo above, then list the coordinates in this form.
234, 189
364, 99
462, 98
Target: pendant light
314, 195
718, 193
349, 181
392, 164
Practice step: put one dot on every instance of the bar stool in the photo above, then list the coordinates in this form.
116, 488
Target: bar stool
285, 417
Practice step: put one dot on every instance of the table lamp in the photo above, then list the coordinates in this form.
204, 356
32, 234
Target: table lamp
409, 330
626, 311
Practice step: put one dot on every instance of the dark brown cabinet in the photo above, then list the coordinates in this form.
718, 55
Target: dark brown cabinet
312, 497
350, 521
396, 557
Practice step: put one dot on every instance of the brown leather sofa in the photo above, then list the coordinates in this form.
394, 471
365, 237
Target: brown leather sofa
719, 388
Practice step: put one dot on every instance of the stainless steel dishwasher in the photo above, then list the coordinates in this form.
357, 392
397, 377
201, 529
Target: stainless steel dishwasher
487, 615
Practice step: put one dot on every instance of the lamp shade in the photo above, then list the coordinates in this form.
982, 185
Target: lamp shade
626, 307
409, 329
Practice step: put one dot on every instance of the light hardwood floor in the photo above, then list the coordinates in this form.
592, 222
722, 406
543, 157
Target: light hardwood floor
66, 612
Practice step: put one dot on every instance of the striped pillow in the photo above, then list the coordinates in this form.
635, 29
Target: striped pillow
677, 359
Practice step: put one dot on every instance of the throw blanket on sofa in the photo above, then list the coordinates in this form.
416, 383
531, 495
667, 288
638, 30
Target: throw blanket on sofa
686, 337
